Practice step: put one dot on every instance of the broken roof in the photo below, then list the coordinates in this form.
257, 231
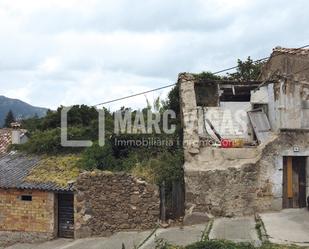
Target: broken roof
16, 171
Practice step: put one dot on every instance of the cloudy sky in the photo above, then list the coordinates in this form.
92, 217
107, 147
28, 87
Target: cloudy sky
67, 52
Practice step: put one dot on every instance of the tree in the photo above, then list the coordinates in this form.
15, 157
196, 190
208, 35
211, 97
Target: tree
9, 119
247, 70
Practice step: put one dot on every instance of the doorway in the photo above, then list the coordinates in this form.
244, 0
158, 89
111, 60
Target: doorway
294, 182
66, 215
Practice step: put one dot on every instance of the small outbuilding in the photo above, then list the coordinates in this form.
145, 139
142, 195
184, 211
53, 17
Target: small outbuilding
32, 209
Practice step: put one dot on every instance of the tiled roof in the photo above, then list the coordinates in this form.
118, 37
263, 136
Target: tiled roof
292, 51
5, 139
14, 169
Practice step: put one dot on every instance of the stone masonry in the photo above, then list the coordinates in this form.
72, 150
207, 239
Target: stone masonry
109, 202
242, 181
255, 186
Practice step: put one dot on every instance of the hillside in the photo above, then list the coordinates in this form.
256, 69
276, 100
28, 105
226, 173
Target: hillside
20, 109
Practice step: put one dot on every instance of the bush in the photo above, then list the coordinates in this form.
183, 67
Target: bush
220, 244
165, 167
49, 141
42, 142
97, 157
217, 244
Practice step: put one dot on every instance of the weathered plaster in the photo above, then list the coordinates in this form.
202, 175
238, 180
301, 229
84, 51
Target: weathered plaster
243, 181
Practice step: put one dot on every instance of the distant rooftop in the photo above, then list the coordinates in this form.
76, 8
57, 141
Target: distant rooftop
5, 140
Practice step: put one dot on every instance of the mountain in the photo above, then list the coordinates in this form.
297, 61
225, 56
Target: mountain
20, 109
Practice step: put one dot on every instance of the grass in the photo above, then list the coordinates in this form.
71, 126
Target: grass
221, 244
205, 235
57, 169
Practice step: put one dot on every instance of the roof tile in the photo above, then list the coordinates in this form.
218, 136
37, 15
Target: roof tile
292, 51
15, 167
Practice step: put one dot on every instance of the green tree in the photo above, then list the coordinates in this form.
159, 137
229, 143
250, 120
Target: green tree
208, 76
9, 119
247, 70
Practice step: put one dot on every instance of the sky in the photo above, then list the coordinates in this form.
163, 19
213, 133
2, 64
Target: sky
65, 52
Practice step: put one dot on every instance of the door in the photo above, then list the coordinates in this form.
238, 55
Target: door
260, 124
294, 182
66, 215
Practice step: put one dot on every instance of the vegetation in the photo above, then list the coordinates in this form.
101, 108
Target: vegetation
247, 70
9, 119
166, 167
156, 163
220, 244
57, 169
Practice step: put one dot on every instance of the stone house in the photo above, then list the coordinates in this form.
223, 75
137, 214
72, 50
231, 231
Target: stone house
44, 197
246, 143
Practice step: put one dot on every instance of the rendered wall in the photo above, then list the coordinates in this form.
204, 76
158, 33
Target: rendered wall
290, 91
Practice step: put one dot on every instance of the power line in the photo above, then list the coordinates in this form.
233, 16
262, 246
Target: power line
137, 94
170, 85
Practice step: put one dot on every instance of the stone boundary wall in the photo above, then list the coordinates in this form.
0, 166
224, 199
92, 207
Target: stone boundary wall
8, 238
110, 202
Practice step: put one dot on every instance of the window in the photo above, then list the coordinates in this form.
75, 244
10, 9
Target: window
26, 198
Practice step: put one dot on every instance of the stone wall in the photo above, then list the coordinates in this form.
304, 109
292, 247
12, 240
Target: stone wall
26, 221
107, 202
229, 182
242, 186
9, 238
191, 140
229, 192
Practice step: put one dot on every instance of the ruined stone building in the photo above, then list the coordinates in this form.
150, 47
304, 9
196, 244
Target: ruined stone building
44, 197
246, 143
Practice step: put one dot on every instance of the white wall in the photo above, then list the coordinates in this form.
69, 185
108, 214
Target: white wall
231, 119
288, 107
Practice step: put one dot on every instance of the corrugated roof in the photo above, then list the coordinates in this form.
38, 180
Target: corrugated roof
15, 167
292, 51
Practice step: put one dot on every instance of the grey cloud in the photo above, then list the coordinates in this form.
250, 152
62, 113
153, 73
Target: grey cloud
136, 16
149, 42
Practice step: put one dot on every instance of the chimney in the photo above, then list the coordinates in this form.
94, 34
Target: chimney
16, 133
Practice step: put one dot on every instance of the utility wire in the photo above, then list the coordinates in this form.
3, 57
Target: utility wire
170, 85
137, 94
